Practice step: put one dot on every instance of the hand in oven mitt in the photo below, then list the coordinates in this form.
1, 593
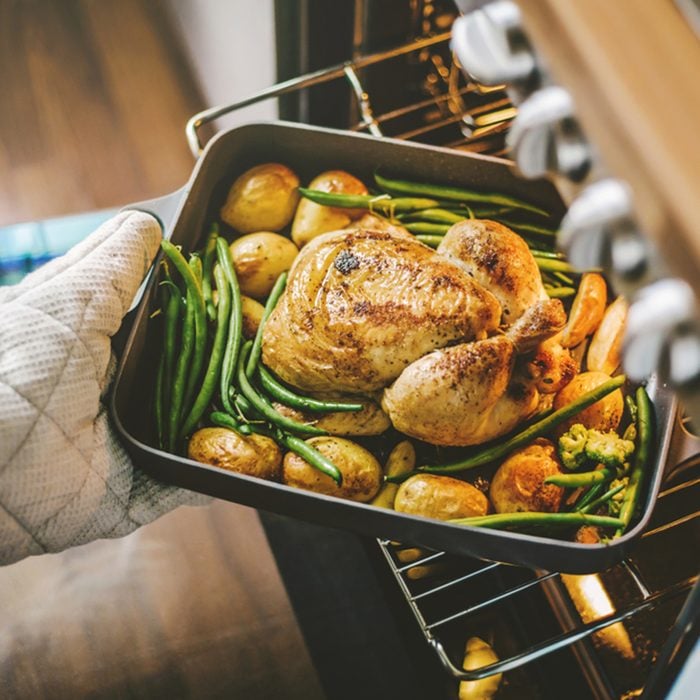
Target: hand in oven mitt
64, 478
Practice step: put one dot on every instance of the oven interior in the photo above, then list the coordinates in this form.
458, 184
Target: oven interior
586, 636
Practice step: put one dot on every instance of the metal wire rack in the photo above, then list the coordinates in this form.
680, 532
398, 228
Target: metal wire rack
458, 114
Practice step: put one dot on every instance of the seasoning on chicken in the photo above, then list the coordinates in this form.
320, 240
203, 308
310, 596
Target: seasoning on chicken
361, 305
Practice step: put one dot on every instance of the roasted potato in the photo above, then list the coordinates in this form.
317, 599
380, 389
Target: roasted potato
477, 654
604, 352
252, 316
441, 497
603, 415
401, 460
371, 420
362, 473
313, 219
263, 198
260, 258
254, 455
586, 311
519, 486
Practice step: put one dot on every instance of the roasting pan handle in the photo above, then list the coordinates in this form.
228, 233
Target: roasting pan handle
164, 208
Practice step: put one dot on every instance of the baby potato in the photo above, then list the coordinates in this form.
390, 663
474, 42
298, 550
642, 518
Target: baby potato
519, 486
441, 497
263, 198
313, 219
603, 415
254, 455
362, 473
252, 316
260, 258
371, 420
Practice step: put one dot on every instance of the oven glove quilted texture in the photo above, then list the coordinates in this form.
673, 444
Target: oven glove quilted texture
64, 478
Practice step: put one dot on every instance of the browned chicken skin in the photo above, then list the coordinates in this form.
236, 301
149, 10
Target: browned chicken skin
462, 395
499, 260
365, 308
361, 305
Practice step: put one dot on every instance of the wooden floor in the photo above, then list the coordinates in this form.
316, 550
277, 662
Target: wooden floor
95, 95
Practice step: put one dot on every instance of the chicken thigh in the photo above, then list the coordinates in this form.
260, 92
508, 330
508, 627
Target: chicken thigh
461, 395
361, 305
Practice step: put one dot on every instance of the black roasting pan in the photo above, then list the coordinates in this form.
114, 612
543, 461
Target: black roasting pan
310, 150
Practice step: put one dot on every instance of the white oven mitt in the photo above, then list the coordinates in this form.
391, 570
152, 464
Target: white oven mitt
64, 477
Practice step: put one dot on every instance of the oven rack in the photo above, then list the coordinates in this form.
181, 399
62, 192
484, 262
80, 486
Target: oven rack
422, 566
478, 117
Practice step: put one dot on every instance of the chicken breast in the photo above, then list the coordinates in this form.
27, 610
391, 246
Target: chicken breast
361, 305
462, 395
499, 260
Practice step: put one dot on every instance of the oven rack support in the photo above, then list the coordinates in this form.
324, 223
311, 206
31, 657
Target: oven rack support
478, 123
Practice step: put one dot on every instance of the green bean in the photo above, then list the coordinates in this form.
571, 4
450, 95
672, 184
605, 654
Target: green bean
375, 203
194, 290
180, 376
426, 228
207, 266
540, 427
172, 301
432, 241
571, 481
560, 292
552, 255
602, 499
435, 216
158, 407
457, 194
645, 436
590, 495
504, 520
263, 408
224, 420
528, 228
305, 403
548, 265
211, 376
563, 279
201, 333
312, 456
235, 329
272, 300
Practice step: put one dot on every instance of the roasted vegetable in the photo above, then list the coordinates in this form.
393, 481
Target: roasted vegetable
441, 497
252, 315
604, 414
254, 455
572, 446
586, 311
519, 484
369, 420
259, 259
477, 654
401, 460
361, 472
580, 446
606, 344
263, 198
313, 219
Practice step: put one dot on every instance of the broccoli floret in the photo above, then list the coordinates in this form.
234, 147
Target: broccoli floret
572, 446
608, 448
580, 446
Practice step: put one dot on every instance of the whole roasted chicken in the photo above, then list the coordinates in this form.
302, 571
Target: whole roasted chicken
439, 331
